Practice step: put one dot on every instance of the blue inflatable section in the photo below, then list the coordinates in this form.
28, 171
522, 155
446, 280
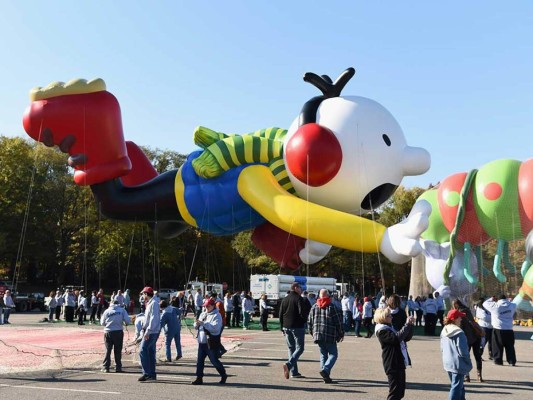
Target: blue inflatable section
215, 203
302, 280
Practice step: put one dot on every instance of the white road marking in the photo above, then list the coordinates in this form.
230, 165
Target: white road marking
272, 350
275, 343
178, 377
259, 358
60, 389
254, 349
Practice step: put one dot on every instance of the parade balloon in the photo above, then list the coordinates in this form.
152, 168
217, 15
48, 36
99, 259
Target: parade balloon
302, 189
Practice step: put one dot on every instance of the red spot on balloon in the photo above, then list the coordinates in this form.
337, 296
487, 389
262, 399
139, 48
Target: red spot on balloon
313, 155
492, 191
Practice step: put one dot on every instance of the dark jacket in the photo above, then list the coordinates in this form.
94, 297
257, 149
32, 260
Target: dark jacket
293, 311
236, 301
391, 350
466, 326
399, 318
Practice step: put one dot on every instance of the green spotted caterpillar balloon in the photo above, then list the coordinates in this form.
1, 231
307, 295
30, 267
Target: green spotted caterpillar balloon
469, 209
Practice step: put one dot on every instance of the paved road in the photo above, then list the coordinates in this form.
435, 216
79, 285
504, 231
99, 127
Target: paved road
255, 367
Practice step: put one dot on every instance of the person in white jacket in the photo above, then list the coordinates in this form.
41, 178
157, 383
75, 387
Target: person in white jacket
209, 326
52, 303
228, 308
247, 310
9, 305
455, 354
502, 313
430, 318
113, 320
82, 307
368, 314
484, 320
151, 328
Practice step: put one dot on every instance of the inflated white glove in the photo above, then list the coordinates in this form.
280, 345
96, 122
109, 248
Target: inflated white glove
313, 251
445, 291
400, 242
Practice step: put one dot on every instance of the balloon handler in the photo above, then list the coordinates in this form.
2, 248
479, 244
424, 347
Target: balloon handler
302, 190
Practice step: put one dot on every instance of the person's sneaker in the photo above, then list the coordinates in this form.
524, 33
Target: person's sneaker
198, 381
223, 379
297, 376
143, 378
106, 370
286, 371
329, 380
324, 375
177, 358
119, 370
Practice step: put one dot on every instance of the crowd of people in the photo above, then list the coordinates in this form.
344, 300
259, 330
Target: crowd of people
76, 304
393, 321
327, 319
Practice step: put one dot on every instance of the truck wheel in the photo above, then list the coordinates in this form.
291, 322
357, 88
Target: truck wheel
22, 307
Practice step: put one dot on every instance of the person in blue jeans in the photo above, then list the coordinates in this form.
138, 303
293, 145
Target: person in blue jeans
326, 326
151, 328
171, 325
293, 313
455, 353
209, 326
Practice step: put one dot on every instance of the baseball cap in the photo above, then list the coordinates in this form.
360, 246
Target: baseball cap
454, 314
148, 290
209, 302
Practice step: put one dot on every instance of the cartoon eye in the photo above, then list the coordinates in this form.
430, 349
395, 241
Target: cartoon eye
386, 139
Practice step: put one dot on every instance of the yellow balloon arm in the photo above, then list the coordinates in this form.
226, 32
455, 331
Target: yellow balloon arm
259, 188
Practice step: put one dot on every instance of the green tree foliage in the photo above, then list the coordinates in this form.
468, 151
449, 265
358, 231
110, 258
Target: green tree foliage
66, 241
256, 260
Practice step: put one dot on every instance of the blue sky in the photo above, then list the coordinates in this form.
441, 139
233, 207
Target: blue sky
458, 76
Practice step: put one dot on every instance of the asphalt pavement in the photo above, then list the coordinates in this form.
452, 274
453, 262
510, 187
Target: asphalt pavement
254, 364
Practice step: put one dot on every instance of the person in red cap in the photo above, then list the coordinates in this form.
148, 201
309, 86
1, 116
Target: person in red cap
455, 354
151, 328
209, 326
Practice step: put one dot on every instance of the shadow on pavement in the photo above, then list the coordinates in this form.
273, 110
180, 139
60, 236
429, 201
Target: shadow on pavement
53, 379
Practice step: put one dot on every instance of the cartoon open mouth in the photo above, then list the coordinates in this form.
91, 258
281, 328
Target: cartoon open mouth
378, 196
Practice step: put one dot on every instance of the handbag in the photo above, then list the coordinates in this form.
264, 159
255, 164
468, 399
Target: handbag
213, 341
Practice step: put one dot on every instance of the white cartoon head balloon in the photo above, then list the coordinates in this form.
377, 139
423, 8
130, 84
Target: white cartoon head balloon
348, 152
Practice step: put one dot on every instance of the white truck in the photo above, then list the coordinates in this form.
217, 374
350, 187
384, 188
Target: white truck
277, 286
206, 288
192, 286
